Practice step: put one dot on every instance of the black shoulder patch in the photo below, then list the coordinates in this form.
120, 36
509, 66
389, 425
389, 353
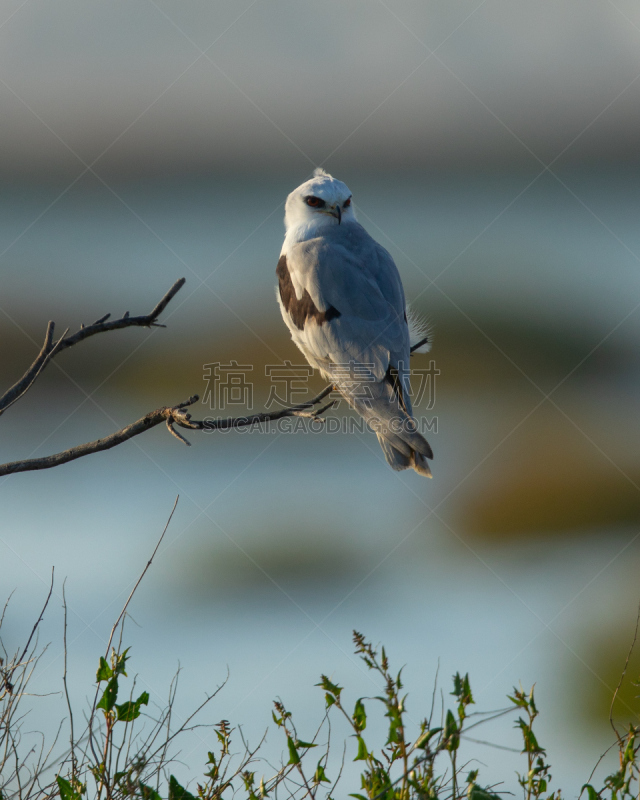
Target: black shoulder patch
303, 309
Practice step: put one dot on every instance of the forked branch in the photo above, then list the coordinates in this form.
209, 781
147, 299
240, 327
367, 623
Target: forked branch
50, 348
170, 415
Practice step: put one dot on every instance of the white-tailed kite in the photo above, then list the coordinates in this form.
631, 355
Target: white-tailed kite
342, 299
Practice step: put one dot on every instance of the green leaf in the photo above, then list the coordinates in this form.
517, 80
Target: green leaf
129, 711
394, 725
104, 671
328, 686
424, 739
359, 716
591, 792
450, 726
300, 743
330, 699
462, 690
248, 778
451, 732
517, 699
358, 796
121, 661
362, 750
67, 792
461, 687
110, 695
476, 793
629, 754
294, 758
532, 702
530, 742
320, 774
225, 740
147, 793
177, 792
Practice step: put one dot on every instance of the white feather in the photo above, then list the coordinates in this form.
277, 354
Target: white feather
333, 265
419, 328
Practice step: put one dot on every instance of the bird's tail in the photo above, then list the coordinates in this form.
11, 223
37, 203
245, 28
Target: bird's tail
388, 412
399, 461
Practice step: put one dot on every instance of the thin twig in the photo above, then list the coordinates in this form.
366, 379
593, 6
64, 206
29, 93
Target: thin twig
622, 677
598, 762
134, 429
64, 681
171, 415
144, 321
50, 349
19, 389
490, 744
120, 617
7, 678
142, 574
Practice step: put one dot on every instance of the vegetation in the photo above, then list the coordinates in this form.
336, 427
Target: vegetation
125, 751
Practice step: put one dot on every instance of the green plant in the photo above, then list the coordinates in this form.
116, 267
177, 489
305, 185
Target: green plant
537, 777
126, 751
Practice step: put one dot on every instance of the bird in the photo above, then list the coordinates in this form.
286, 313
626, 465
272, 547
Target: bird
341, 297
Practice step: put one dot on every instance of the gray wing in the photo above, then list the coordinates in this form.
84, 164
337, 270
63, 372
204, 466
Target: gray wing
343, 301
349, 300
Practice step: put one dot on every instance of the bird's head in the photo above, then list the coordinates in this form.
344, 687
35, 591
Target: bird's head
321, 200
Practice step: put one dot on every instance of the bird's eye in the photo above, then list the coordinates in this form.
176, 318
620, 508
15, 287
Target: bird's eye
347, 203
315, 202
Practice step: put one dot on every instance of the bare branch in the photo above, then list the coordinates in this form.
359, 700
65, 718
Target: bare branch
145, 321
175, 433
50, 348
301, 410
140, 426
170, 415
622, 677
20, 388
141, 576
6, 682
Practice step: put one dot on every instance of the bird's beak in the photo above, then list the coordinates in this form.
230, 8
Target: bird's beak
337, 213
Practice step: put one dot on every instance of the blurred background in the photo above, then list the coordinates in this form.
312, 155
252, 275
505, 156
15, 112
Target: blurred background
492, 147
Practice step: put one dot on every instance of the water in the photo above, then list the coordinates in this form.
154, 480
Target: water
283, 544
